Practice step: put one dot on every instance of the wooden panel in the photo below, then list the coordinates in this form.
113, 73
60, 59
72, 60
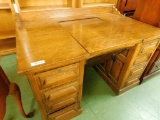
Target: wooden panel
57, 13
7, 46
4, 4
132, 80
136, 70
116, 69
53, 38
144, 12
33, 5
27, 3
121, 72
84, 29
67, 100
66, 113
58, 76
112, 66
100, 1
127, 5
135, 73
7, 31
58, 98
149, 46
61, 92
142, 58
7, 22
56, 101
41, 5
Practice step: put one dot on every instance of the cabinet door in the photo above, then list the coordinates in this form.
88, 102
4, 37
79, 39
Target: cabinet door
113, 65
115, 68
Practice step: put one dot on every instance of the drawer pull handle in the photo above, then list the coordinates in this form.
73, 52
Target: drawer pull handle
114, 58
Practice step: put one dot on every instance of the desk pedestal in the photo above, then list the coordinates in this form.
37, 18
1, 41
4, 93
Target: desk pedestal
122, 69
58, 91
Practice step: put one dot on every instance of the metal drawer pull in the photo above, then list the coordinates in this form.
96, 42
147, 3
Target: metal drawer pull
114, 58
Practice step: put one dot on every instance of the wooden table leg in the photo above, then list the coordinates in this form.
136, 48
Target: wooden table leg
15, 92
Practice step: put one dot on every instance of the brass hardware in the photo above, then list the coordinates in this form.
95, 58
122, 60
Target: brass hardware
114, 58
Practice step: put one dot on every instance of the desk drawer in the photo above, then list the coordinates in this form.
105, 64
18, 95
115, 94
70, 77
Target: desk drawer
60, 92
133, 80
58, 98
135, 77
142, 58
135, 73
58, 105
138, 69
57, 77
149, 46
66, 113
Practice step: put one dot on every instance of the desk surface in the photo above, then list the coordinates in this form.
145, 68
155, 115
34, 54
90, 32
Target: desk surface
107, 32
53, 42
45, 40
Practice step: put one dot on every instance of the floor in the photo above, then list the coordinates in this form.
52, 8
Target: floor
99, 101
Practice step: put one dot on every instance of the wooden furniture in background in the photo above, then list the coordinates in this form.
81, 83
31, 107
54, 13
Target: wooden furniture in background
89, 3
7, 88
33, 5
148, 11
7, 29
127, 7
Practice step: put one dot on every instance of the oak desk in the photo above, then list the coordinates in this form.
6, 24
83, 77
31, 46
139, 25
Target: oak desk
52, 53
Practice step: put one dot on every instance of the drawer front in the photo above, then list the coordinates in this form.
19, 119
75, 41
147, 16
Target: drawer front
131, 81
134, 76
142, 58
66, 114
149, 46
135, 72
60, 92
138, 69
61, 97
58, 76
58, 105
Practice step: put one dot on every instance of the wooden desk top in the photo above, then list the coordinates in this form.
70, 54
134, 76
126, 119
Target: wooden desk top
59, 43
107, 32
45, 41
